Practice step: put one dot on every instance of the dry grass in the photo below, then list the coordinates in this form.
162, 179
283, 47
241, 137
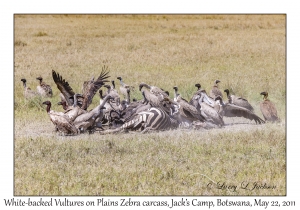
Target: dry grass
246, 52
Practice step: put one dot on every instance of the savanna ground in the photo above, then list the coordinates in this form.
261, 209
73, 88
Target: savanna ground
245, 52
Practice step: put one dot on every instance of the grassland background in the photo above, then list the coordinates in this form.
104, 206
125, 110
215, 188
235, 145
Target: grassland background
245, 52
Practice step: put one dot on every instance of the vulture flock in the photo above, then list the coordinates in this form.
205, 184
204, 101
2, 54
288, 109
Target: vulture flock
156, 111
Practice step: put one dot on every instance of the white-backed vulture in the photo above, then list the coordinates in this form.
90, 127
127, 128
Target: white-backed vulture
87, 120
74, 111
239, 101
211, 115
114, 93
28, 93
63, 104
93, 86
215, 91
196, 97
199, 97
155, 90
133, 108
90, 89
62, 123
43, 89
268, 109
231, 110
64, 88
151, 98
124, 87
187, 112
207, 107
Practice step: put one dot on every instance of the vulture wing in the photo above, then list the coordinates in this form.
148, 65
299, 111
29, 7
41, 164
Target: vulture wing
231, 110
243, 103
64, 88
93, 86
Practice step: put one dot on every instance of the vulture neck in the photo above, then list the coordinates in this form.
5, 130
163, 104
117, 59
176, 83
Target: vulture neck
121, 82
48, 107
144, 96
128, 97
75, 100
113, 84
145, 85
100, 93
266, 97
102, 104
64, 105
229, 97
175, 95
24, 85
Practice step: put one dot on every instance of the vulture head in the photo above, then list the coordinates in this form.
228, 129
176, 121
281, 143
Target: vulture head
141, 86
265, 94
113, 83
119, 78
219, 98
101, 94
198, 86
226, 91
217, 81
47, 103
23, 80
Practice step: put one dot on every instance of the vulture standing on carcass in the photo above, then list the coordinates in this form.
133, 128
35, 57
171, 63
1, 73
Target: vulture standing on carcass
215, 91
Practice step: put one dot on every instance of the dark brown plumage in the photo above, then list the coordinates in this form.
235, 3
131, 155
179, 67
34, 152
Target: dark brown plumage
90, 88
93, 86
268, 109
239, 101
64, 88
